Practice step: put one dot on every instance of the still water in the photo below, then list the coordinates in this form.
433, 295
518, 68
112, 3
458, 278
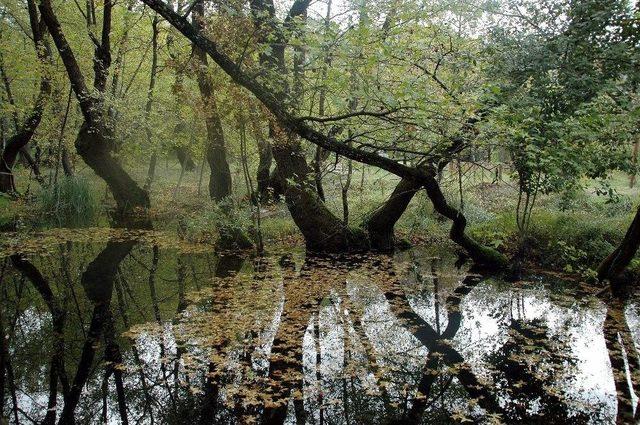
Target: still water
142, 328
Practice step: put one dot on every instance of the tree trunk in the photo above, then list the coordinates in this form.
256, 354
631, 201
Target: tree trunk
265, 158
264, 169
481, 255
317, 171
94, 150
612, 267
149, 105
634, 160
276, 185
94, 141
185, 160
216, 153
67, 165
381, 222
322, 230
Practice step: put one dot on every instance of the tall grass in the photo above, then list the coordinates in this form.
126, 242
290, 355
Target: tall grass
68, 202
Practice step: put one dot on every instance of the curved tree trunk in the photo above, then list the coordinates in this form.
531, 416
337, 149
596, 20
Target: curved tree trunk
381, 222
18, 142
93, 147
321, 229
94, 141
481, 255
613, 266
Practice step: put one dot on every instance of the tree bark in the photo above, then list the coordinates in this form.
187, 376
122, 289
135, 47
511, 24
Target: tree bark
216, 152
380, 224
322, 230
265, 159
94, 142
94, 150
481, 255
185, 160
613, 267
67, 165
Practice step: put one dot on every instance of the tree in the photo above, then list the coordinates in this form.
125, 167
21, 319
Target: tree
95, 138
216, 153
302, 201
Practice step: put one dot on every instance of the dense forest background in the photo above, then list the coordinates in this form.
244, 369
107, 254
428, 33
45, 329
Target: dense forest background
508, 127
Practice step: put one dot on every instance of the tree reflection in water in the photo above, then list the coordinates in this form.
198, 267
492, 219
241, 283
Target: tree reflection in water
146, 334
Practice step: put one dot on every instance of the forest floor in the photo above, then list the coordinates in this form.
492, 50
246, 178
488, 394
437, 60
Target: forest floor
570, 232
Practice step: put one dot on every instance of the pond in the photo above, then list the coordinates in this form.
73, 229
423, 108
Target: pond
115, 326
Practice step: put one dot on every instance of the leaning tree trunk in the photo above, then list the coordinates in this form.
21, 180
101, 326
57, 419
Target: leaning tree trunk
216, 152
321, 229
94, 141
18, 142
94, 149
612, 267
381, 222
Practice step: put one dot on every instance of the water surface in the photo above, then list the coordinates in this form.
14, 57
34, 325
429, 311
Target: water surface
139, 327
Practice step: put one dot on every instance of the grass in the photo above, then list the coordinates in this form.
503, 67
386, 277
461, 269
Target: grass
69, 202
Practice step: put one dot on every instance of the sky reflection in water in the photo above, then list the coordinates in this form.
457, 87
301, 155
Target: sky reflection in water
177, 335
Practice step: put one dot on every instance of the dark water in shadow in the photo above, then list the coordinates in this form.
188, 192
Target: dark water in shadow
142, 328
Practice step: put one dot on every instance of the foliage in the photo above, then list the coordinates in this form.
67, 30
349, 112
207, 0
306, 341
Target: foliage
207, 225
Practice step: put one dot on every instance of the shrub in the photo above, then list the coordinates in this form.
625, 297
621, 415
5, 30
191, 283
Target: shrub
217, 219
576, 241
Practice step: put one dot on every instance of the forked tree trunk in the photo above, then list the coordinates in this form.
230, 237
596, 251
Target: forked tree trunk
612, 267
94, 141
